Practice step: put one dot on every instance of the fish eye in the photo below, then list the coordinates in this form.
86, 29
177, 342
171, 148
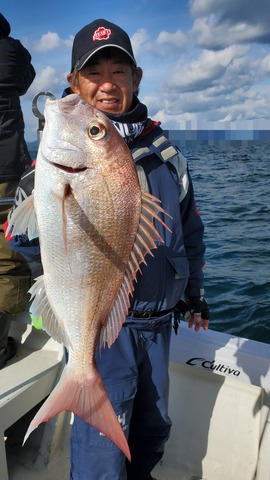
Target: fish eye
97, 131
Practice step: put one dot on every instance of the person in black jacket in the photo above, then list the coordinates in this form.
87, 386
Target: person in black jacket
16, 76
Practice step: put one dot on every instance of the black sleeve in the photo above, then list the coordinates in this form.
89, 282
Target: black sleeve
16, 71
27, 70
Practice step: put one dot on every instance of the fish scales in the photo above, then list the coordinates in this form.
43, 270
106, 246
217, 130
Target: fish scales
95, 227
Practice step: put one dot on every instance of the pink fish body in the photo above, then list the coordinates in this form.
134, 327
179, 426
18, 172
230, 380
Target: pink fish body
95, 227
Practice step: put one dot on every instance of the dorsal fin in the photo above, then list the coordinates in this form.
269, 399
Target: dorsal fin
145, 242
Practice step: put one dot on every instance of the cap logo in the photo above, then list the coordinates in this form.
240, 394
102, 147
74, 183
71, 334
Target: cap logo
102, 33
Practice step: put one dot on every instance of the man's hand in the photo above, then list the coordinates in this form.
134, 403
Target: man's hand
195, 311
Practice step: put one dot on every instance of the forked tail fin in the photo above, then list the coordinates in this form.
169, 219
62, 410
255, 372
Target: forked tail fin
89, 401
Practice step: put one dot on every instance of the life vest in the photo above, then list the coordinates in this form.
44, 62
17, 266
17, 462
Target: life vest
160, 165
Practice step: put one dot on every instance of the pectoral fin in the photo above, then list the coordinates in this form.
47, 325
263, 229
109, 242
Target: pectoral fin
23, 219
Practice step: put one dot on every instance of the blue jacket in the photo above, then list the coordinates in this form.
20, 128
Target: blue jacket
177, 265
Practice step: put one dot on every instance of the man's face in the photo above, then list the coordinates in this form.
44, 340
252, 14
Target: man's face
108, 82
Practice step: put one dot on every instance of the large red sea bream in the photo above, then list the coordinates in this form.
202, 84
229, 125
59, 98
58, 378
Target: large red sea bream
95, 227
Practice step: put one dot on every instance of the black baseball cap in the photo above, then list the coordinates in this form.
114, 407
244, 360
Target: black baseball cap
96, 36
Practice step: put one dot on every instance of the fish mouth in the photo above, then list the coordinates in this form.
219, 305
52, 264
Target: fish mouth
68, 169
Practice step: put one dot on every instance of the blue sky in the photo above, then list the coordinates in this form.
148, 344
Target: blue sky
206, 63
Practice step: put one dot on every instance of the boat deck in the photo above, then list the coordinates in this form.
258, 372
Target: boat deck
221, 419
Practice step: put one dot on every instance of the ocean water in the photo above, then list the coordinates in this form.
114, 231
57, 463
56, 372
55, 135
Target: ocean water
232, 188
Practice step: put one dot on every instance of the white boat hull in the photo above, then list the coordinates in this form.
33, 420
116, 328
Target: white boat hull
219, 405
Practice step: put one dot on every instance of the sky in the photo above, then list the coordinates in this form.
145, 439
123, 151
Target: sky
206, 63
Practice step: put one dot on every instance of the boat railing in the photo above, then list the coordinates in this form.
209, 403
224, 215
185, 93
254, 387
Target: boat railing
36, 111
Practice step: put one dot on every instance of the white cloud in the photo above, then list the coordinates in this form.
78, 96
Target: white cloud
177, 39
50, 41
200, 8
225, 22
208, 35
265, 64
205, 71
140, 40
232, 10
165, 45
45, 80
214, 88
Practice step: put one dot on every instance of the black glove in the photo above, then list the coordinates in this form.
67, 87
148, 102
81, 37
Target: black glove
198, 305
188, 307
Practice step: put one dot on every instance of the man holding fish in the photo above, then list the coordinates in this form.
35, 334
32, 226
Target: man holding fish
135, 304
